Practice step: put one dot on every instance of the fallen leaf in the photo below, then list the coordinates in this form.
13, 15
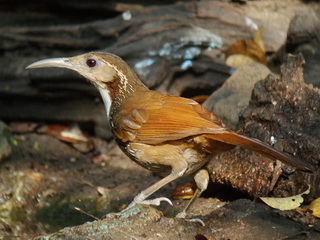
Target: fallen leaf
245, 51
74, 133
258, 39
313, 208
286, 203
236, 60
64, 133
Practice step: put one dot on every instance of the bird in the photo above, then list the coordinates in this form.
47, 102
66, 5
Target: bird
169, 135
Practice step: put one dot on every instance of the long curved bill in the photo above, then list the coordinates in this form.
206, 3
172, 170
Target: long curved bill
53, 62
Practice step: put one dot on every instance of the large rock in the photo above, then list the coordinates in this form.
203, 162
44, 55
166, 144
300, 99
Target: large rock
303, 37
234, 95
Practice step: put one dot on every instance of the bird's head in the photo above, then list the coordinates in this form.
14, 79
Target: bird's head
100, 68
108, 72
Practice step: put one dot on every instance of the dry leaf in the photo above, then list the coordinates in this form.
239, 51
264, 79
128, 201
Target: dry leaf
74, 133
314, 208
258, 39
237, 60
286, 203
245, 51
64, 133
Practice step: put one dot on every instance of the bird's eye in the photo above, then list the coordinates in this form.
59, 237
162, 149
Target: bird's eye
91, 63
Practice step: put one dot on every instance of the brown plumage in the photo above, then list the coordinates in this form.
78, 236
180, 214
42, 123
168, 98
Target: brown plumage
170, 135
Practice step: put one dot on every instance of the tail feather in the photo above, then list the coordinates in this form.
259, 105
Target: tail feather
262, 148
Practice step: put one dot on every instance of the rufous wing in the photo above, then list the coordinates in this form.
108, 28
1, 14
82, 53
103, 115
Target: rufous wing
164, 118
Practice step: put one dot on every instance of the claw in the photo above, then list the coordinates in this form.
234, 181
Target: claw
157, 201
196, 220
183, 215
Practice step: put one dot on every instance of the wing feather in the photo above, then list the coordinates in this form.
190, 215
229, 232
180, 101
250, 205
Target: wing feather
157, 118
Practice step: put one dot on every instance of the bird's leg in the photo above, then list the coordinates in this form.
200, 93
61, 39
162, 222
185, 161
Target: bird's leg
202, 180
175, 173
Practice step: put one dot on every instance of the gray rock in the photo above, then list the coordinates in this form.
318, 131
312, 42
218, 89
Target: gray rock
304, 37
5, 147
234, 95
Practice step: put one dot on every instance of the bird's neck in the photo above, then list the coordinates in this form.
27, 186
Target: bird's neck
113, 93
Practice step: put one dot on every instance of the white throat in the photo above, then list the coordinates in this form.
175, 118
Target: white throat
106, 99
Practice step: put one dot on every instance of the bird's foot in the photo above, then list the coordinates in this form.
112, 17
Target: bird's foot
156, 202
183, 215
197, 220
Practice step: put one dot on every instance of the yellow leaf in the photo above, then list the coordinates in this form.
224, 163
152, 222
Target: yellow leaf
314, 208
258, 38
244, 51
236, 60
286, 203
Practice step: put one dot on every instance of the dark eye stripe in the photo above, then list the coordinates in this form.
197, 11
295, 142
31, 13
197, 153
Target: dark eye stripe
91, 62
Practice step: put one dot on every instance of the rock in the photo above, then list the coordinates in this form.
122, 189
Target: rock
304, 37
241, 219
139, 222
5, 147
311, 52
234, 95
304, 27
